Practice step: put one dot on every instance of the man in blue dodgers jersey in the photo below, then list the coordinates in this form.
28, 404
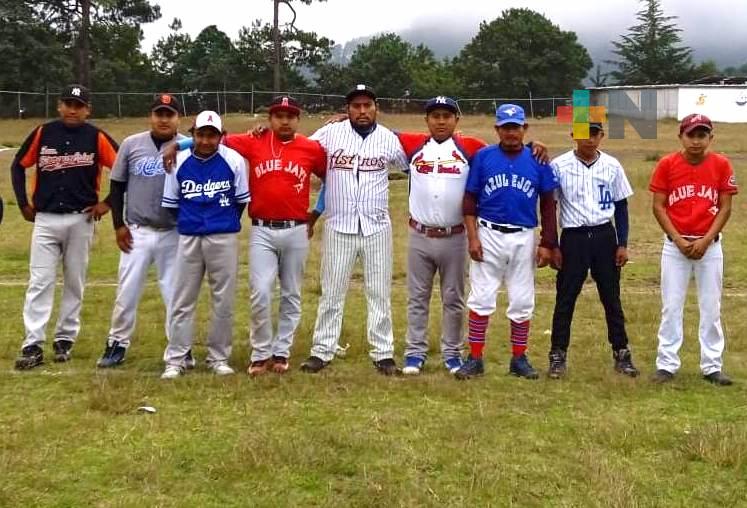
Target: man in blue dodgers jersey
148, 235
593, 191
500, 214
209, 188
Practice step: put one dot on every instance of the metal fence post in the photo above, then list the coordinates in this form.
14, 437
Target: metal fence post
46, 102
119, 105
251, 109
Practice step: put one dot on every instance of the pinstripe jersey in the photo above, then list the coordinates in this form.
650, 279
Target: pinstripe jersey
357, 194
587, 193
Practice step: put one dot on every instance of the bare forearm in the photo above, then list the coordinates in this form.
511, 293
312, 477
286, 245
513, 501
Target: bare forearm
720, 221
470, 223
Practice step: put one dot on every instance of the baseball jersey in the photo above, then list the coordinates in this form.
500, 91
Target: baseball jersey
588, 192
357, 184
206, 192
507, 186
692, 190
279, 173
69, 162
438, 175
140, 164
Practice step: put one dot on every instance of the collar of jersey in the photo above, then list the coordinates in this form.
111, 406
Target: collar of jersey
205, 159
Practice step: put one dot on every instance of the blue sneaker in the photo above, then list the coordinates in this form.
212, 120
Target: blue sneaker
521, 367
453, 364
413, 365
113, 356
471, 368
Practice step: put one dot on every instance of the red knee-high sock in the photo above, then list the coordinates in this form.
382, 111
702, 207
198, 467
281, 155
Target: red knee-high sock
478, 326
519, 337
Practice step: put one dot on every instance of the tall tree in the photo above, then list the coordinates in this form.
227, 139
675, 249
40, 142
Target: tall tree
651, 52
519, 53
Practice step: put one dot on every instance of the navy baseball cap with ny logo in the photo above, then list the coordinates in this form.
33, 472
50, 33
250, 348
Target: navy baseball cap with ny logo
76, 92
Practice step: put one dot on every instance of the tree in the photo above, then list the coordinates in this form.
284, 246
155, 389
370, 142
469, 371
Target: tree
167, 57
519, 53
650, 53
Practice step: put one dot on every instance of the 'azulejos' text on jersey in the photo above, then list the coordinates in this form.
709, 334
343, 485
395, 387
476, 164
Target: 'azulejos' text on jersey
503, 180
341, 160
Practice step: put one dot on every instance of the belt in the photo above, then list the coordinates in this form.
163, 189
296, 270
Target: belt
498, 227
718, 237
588, 229
433, 232
278, 224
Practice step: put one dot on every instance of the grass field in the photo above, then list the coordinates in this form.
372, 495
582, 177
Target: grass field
71, 436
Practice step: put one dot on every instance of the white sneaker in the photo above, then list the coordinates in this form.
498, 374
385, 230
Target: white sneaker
172, 372
342, 351
222, 369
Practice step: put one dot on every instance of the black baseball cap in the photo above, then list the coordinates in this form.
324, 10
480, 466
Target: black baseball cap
75, 92
442, 102
285, 103
165, 101
360, 90
596, 125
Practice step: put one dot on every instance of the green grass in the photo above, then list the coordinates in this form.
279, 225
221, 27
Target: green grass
72, 436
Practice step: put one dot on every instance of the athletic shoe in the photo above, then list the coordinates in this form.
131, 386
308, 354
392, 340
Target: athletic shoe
313, 365
189, 360
413, 365
257, 368
662, 376
222, 369
172, 372
557, 364
30, 357
521, 367
718, 378
62, 350
280, 364
624, 362
386, 367
113, 356
453, 364
473, 367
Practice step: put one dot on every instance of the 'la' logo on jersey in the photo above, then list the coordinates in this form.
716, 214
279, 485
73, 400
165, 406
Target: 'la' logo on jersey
605, 198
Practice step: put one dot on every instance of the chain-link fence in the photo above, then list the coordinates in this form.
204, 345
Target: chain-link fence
15, 104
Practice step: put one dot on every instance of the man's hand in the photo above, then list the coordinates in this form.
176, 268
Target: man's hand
257, 130
169, 156
621, 256
544, 257
684, 246
557, 259
97, 211
313, 217
698, 248
475, 249
539, 151
337, 118
124, 239
28, 213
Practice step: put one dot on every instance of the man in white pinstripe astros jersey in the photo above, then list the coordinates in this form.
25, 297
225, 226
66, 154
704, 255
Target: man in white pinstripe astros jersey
593, 191
359, 152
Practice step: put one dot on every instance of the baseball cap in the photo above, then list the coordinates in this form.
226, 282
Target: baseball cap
509, 113
75, 92
165, 101
693, 121
285, 103
596, 125
360, 90
443, 103
209, 119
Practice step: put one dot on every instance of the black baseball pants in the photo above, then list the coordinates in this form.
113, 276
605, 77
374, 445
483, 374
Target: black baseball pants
587, 249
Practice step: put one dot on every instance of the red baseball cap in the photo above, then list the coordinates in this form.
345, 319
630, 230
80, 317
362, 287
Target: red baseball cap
285, 103
693, 121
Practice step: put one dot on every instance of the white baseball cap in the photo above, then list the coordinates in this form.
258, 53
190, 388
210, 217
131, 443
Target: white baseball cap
209, 119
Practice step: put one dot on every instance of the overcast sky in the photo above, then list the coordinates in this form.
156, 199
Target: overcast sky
714, 28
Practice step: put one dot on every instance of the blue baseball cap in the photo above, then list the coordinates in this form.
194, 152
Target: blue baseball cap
443, 103
509, 113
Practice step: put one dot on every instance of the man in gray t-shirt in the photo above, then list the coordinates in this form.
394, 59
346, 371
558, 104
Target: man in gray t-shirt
149, 235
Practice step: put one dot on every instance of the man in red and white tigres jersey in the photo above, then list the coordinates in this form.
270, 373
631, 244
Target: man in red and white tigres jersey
693, 190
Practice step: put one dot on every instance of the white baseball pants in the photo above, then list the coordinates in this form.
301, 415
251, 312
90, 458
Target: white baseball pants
341, 251
56, 236
507, 258
676, 271
149, 246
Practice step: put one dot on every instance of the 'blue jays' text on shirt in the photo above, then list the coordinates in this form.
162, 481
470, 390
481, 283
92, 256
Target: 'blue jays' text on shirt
207, 191
507, 185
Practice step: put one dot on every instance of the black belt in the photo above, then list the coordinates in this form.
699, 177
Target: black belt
498, 227
278, 224
588, 229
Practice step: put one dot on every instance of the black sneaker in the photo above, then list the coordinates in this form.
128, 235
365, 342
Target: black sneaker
387, 367
62, 350
662, 376
718, 378
624, 362
521, 367
113, 356
557, 364
189, 360
472, 367
313, 365
30, 357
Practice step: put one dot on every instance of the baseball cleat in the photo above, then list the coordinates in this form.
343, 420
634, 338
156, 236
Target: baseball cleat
62, 350
557, 364
313, 365
413, 365
624, 362
387, 367
189, 360
520, 367
113, 355
30, 357
473, 367
718, 378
